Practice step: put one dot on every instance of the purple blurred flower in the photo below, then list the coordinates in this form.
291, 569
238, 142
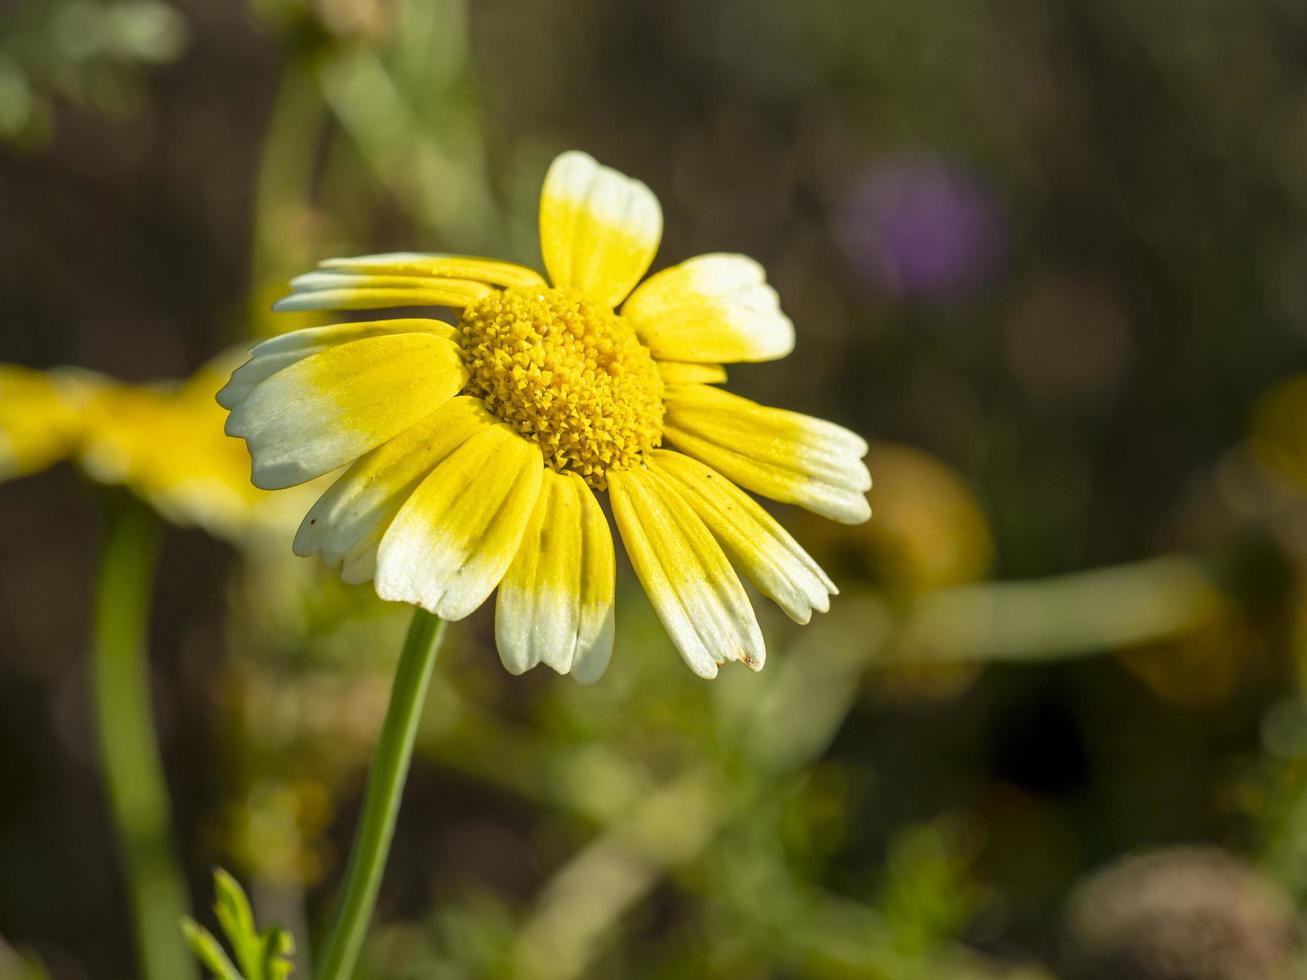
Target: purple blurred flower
919, 227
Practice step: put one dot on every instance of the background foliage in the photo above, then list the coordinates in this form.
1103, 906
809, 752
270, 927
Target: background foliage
1048, 256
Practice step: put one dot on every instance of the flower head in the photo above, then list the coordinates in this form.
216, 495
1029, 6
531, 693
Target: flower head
161, 441
474, 451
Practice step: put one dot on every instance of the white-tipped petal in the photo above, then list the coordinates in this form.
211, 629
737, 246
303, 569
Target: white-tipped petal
713, 308
275, 353
555, 604
599, 229
455, 536
317, 338
793, 458
348, 291
753, 539
338, 403
433, 264
687, 577
347, 522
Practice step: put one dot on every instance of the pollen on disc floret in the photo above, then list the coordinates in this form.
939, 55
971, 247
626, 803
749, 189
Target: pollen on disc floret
566, 373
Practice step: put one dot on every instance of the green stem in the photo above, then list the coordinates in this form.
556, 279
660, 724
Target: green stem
367, 861
133, 772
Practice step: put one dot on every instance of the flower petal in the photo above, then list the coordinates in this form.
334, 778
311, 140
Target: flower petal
679, 372
789, 457
490, 271
692, 586
753, 539
555, 604
347, 291
165, 442
599, 230
715, 308
41, 417
269, 357
454, 538
335, 405
349, 520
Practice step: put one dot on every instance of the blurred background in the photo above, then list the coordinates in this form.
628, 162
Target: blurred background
1050, 258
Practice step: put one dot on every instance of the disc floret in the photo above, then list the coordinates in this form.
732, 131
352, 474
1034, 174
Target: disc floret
568, 374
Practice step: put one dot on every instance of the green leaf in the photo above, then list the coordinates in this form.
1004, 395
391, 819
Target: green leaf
208, 950
262, 955
278, 946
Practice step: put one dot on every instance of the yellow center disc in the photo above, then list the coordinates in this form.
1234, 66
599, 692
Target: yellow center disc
568, 374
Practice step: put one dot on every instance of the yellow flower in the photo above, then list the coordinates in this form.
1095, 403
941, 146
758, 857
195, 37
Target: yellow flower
162, 441
40, 418
475, 450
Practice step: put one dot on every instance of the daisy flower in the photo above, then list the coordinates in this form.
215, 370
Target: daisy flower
162, 441
474, 452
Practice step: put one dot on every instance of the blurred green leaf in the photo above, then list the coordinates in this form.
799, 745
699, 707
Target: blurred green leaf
88, 52
925, 898
208, 951
262, 955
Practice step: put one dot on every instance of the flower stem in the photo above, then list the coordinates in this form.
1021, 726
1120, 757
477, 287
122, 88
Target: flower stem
367, 861
129, 754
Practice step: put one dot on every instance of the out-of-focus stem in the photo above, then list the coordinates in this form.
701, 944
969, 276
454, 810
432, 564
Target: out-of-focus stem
603, 881
1064, 615
367, 861
129, 753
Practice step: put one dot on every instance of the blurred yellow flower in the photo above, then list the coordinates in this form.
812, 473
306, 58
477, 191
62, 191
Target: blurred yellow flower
166, 444
40, 418
163, 441
476, 449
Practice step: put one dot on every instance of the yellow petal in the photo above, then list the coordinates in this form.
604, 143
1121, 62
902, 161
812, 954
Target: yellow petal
692, 586
347, 291
348, 521
165, 442
714, 308
757, 545
679, 372
555, 604
454, 538
316, 338
40, 417
789, 457
333, 406
599, 230
269, 357
490, 271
